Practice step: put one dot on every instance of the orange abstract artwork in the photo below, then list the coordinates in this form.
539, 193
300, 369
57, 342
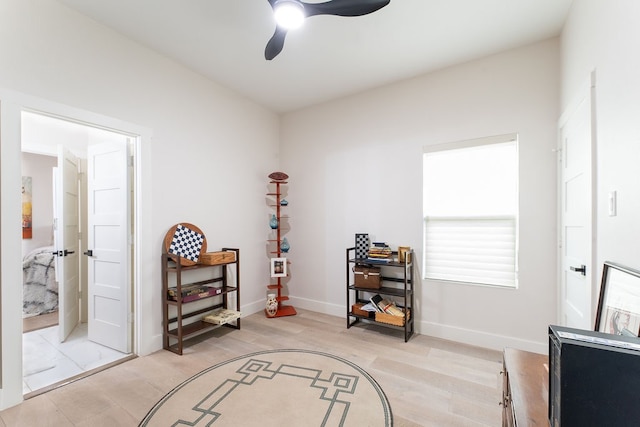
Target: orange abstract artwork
27, 220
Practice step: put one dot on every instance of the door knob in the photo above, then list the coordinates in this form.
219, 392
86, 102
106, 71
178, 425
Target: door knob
63, 253
582, 269
88, 253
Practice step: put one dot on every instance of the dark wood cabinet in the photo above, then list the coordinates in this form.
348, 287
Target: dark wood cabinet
525, 389
184, 311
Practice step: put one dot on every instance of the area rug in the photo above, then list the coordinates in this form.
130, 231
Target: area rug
276, 388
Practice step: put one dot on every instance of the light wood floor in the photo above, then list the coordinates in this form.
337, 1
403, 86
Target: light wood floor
39, 322
429, 382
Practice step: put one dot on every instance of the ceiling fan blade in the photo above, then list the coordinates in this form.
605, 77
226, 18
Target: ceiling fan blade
332, 7
344, 7
275, 44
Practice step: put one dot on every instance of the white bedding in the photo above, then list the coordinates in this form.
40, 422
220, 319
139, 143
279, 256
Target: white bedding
40, 289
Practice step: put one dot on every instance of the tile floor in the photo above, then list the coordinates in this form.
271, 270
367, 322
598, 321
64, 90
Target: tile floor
47, 361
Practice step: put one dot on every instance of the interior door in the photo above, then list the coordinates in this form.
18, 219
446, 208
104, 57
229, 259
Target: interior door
578, 217
66, 241
109, 302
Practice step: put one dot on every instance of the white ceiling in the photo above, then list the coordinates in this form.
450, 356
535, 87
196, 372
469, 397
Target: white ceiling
330, 56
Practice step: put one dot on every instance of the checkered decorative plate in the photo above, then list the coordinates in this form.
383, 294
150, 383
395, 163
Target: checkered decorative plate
362, 245
187, 241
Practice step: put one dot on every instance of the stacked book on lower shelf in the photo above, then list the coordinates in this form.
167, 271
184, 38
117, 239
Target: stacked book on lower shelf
222, 316
382, 310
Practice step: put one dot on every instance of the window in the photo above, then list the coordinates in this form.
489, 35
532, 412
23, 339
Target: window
470, 207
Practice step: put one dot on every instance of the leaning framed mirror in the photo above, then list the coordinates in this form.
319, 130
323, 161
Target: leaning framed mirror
619, 302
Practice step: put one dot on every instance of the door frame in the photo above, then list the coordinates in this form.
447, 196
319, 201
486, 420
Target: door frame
12, 104
586, 93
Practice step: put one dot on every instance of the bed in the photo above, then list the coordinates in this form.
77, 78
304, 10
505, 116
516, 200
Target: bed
40, 289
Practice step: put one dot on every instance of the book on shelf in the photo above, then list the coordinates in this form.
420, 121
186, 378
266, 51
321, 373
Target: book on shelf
369, 307
375, 305
386, 306
222, 316
193, 292
379, 251
373, 260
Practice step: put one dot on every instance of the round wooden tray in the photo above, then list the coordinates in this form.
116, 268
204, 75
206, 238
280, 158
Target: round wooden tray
278, 176
169, 237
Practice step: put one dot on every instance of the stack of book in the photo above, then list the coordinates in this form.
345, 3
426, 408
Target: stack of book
193, 292
383, 305
222, 316
379, 252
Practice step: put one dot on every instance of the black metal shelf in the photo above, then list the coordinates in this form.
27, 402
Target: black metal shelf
398, 292
404, 292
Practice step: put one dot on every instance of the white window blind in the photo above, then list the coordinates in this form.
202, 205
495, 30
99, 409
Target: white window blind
475, 250
470, 211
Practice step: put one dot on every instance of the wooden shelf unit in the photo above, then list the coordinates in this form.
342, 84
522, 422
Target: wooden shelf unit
276, 285
175, 329
400, 287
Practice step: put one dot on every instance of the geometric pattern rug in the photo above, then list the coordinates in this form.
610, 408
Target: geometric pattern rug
275, 388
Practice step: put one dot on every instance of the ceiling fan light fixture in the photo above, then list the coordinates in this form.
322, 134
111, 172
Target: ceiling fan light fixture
289, 14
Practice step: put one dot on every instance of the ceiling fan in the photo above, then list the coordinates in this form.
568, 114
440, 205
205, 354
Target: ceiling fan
300, 10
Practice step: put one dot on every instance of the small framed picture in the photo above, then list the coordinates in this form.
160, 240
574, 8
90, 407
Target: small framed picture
404, 254
619, 303
278, 267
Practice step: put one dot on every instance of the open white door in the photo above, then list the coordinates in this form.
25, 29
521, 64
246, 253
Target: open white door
108, 242
577, 215
66, 241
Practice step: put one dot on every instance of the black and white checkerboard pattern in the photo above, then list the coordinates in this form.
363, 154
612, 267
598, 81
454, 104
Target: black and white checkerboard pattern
362, 245
186, 243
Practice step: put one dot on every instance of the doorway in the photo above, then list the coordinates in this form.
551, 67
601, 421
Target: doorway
577, 160
66, 349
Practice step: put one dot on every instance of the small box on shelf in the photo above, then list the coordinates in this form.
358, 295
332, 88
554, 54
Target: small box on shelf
393, 320
357, 309
366, 276
215, 258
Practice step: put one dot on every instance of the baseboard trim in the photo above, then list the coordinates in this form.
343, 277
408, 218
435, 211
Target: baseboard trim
437, 330
447, 332
480, 338
319, 306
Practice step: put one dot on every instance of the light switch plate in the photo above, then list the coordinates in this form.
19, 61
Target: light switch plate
613, 203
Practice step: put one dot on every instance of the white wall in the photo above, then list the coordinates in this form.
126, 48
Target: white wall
40, 168
605, 37
356, 166
207, 162
355, 163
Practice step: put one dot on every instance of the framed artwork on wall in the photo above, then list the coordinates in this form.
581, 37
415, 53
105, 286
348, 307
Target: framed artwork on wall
619, 303
27, 218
